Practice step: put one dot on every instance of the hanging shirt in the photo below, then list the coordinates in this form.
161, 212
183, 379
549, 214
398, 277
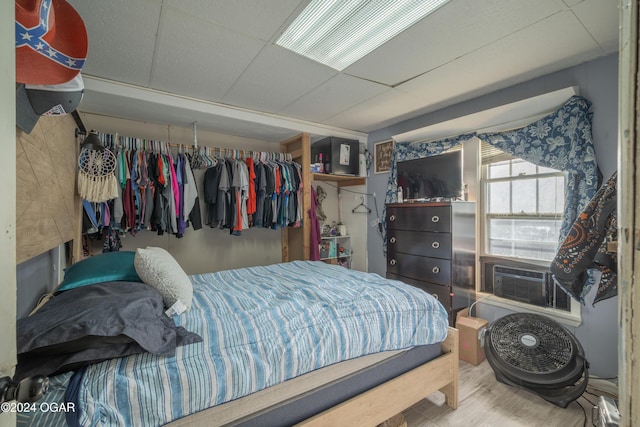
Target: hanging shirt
224, 198
190, 192
137, 203
261, 187
211, 189
182, 222
299, 214
128, 202
236, 197
270, 193
118, 210
316, 238
169, 211
174, 186
275, 197
195, 215
157, 217
143, 183
244, 194
251, 195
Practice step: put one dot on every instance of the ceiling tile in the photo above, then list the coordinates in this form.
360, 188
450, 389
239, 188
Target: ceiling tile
122, 36
255, 18
222, 51
197, 59
506, 63
454, 30
335, 95
572, 3
276, 78
376, 112
599, 18
494, 67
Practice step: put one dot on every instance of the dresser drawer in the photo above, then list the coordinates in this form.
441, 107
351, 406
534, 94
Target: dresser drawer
421, 268
440, 292
420, 218
423, 243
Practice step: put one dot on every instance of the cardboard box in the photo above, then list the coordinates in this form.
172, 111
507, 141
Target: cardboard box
469, 333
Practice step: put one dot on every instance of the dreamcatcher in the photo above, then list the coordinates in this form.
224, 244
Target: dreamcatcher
96, 166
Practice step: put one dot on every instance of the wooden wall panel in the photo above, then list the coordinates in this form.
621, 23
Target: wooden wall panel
296, 242
629, 215
47, 207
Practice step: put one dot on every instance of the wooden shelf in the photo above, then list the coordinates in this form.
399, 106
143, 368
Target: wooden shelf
341, 180
296, 242
332, 254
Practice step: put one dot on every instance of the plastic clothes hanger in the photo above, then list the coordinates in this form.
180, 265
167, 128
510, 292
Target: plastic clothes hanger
359, 208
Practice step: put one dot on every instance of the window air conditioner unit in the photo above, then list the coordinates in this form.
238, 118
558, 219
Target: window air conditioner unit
527, 285
520, 285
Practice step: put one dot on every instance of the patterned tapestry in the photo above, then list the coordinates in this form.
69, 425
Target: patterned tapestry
585, 252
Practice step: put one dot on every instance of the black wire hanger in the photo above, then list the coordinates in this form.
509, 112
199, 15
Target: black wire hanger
361, 205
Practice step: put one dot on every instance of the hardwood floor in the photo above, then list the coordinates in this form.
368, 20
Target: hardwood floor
485, 402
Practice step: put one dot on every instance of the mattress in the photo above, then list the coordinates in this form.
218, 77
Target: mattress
300, 398
283, 404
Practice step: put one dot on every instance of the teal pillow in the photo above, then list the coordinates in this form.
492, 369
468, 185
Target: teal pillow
107, 267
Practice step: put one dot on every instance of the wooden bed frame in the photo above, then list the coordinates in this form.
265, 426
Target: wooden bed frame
386, 400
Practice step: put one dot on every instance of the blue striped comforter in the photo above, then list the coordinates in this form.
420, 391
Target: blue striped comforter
260, 326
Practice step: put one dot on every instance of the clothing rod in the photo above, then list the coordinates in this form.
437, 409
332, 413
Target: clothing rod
110, 138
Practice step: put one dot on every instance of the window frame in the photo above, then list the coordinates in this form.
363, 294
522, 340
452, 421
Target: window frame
573, 315
487, 216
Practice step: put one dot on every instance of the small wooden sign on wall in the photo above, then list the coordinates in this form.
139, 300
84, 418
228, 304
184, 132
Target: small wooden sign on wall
382, 156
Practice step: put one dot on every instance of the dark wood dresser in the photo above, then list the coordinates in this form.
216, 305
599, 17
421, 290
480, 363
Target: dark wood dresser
432, 246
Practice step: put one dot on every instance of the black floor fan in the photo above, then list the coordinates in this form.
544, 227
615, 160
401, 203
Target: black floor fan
536, 353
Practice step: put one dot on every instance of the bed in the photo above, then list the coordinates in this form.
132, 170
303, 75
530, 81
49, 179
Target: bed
297, 343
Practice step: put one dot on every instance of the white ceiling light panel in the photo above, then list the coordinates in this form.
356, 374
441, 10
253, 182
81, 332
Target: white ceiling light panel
339, 32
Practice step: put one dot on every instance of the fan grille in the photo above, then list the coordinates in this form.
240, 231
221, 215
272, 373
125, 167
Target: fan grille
532, 343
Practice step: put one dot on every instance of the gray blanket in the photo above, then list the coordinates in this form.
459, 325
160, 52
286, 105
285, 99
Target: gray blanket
94, 323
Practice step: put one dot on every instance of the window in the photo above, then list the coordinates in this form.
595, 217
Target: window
523, 206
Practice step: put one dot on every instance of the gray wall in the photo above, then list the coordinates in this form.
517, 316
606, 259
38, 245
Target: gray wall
598, 82
35, 278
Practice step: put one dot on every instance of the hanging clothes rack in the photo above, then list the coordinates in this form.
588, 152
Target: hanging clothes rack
115, 141
137, 158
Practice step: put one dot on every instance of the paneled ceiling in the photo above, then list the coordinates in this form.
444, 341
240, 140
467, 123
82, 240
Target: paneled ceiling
215, 62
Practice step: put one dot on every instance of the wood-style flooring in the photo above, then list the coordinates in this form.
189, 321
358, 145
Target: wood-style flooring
485, 402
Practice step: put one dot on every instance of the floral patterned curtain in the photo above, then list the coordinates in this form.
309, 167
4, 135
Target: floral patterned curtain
561, 140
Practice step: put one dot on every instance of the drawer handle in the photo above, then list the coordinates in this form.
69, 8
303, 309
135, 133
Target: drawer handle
435, 245
435, 218
435, 296
392, 240
436, 269
392, 262
392, 218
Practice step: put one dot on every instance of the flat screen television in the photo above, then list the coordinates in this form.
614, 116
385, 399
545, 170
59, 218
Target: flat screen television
438, 176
